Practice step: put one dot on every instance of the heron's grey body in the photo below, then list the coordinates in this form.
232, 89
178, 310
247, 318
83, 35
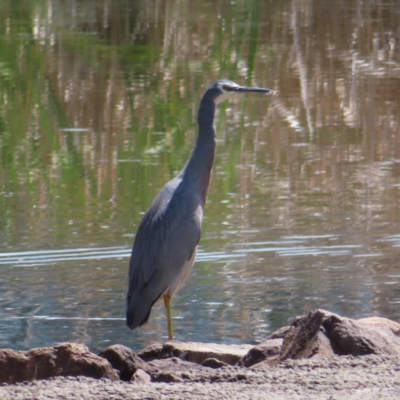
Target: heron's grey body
166, 240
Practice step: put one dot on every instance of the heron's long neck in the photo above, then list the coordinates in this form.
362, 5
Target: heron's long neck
198, 169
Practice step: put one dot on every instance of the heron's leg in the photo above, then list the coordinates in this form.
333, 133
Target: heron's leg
167, 299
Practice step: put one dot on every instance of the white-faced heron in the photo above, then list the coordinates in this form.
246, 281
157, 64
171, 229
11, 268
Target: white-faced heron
166, 240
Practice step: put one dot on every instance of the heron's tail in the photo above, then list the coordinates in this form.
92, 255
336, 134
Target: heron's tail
137, 310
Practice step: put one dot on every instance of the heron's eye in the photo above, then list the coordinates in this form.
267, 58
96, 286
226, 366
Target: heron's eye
227, 88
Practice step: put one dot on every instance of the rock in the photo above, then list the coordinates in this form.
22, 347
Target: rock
279, 333
267, 349
321, 333
68, 359
350, 337
152, 352
141, 376
195, 352
301, 340
124, 360
213, 363
14, 367
381, 323
73, 359
322, 347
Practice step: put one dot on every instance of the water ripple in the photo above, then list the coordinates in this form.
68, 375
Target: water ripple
40, 257
281, 248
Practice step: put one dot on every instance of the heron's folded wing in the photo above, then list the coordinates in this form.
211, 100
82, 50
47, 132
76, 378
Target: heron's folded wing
166, 238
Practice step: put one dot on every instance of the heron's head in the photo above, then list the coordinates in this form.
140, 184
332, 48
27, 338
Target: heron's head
224, 88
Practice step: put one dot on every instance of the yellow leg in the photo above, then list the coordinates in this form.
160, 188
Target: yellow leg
167, 298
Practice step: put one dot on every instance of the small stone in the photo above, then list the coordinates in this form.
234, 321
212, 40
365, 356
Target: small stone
141, 376
265, 350
213, 363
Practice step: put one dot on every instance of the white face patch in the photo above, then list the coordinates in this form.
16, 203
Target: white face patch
224, 96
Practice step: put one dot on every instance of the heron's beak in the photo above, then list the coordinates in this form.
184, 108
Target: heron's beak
241, 89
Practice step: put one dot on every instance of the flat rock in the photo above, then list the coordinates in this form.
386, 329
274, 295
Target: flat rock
195, 352
67, 359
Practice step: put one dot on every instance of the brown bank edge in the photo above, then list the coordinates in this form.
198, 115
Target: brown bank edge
319, 334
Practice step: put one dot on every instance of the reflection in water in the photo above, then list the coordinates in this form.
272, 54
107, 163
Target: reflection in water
97, 110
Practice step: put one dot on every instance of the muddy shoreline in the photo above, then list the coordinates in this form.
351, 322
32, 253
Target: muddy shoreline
367, 377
